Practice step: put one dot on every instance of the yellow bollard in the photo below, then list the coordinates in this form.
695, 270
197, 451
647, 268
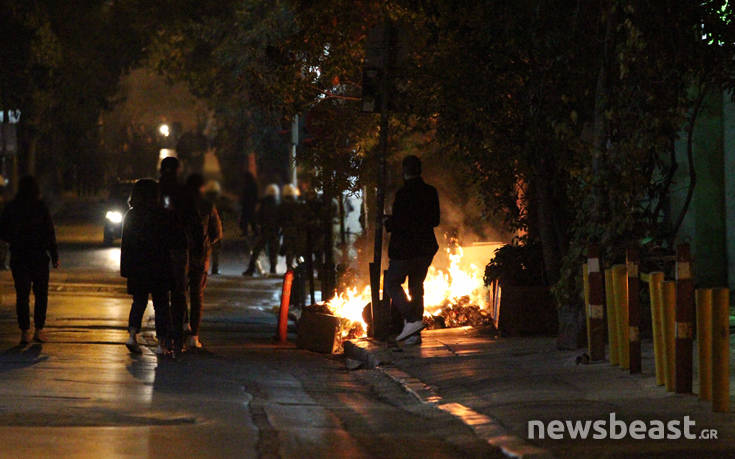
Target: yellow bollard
667, 319
703, 298
612, 327
620, 290
586, 287
720, 350
655, 286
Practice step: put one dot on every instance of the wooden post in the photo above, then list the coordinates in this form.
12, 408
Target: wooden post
595, 308
703, 297
634, 311
720, 350
684, 320
656, 288
669, 325
612, 331
620, 289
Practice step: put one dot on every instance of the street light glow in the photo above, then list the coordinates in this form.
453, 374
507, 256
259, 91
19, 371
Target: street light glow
164, 130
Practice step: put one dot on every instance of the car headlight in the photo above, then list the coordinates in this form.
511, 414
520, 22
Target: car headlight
114, 216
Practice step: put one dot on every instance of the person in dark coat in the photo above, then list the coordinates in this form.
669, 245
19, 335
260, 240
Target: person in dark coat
204, 228
268, 230
248, 203
26, 225
173, 198
412, 244
145, 262
292, 218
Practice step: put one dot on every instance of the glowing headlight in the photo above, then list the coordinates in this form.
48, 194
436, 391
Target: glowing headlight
114, 216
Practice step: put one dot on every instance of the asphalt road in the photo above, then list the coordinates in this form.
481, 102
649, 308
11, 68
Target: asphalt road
83, 395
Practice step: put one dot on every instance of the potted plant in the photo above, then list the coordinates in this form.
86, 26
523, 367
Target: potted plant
521, 301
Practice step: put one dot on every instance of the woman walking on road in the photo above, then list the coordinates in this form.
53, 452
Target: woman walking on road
145, 262
204, 227
27, 226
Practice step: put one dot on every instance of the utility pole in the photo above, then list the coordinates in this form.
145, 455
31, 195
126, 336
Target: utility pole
294, 143
384, 97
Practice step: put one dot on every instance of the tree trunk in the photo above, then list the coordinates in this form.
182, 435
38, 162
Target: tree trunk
546, 229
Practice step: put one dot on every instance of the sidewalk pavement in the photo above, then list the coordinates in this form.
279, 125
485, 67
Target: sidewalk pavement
496, 385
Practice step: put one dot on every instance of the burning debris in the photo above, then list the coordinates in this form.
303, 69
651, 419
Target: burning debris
461, 313
453, 297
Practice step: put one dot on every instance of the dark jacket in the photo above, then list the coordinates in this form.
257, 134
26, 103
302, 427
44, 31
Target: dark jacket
248, 203
415, 214
27, 226
267, 216
204, 229
173, 199
144, 253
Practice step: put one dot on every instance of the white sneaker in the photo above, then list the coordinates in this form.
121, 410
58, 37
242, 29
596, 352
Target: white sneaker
413, 340
192, 342
26, 336
410, 328
40, 336
132, 344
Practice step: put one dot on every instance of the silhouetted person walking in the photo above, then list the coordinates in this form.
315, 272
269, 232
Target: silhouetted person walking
145, 262
268, 230
26, 225
204, 229
248, 203
412, 244
173, 198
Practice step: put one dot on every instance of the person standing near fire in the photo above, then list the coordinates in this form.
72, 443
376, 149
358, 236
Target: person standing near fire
412, 246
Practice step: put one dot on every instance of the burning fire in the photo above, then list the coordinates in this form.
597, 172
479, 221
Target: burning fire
441, 287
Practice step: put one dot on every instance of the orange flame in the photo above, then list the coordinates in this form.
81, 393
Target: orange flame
441, 287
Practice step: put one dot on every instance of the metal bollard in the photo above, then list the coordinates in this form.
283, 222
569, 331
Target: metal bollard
633, 259
684, 320
283, 312
703, 298
620, 290
669, 324
595, 308
656, 286
720, 350
612, 332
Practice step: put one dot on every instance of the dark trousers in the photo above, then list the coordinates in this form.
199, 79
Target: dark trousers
197, 283
30, 272
159, 295
266, 240
415, 269
216, 249
179, 266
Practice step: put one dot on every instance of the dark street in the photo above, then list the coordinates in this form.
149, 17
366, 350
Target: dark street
358, 228
83, 395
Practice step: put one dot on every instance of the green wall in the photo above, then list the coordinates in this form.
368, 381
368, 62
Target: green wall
710, 214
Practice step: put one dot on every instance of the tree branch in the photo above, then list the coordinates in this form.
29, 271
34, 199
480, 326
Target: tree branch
690, 160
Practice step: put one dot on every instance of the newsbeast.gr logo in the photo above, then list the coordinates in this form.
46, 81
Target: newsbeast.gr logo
617, 429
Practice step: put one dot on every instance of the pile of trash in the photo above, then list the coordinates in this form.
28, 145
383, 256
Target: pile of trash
459, 312
348, 329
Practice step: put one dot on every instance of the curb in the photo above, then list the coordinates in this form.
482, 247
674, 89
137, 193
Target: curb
373, 356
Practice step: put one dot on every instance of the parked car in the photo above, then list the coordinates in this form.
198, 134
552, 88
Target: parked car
115, 208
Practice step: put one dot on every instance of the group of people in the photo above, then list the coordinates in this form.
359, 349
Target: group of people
281, 222
167, 241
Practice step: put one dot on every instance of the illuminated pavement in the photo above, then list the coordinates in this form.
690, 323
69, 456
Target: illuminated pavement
83, 395
502, 384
